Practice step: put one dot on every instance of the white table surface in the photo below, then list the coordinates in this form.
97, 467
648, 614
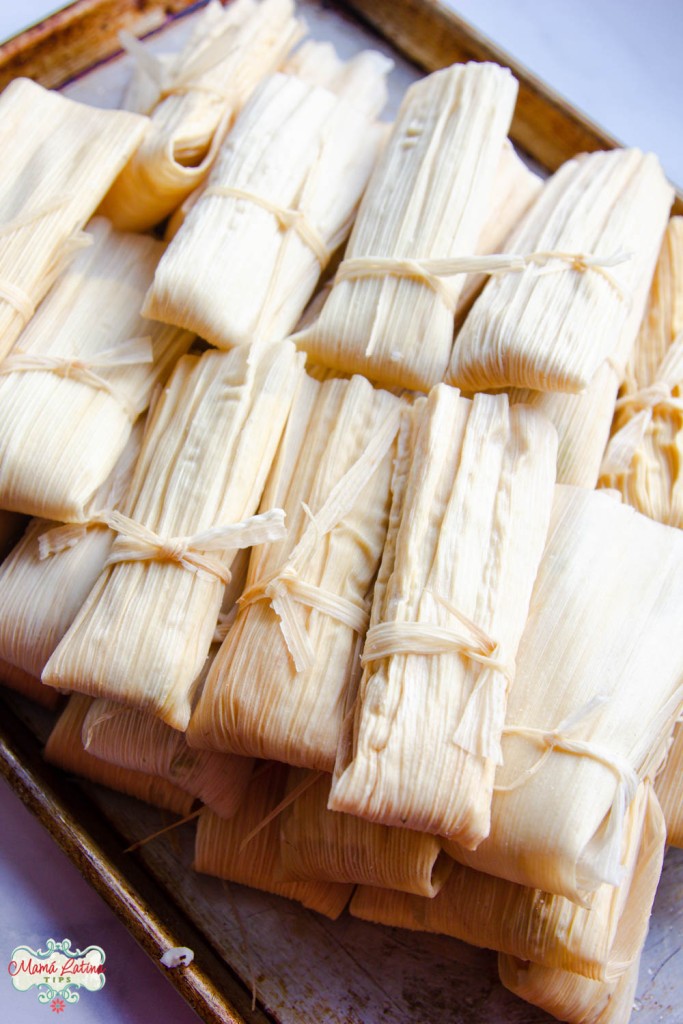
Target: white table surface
619, 61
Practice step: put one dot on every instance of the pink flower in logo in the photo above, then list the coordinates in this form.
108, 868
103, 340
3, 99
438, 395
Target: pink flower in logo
57, 1006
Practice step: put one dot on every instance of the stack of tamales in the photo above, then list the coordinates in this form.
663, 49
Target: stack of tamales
416, 630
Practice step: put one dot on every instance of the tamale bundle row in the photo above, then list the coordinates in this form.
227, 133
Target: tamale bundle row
280, 199
53, 178
79, 375
192, 98
277, 688
64, 748
472, 493
145, 629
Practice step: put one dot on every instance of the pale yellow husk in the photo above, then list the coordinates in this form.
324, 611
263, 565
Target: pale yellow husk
29, 686
590, 708
278, 685
53, 177
600, 941
220, 848
197, 96
571, 997
515, 187
64, 748
145, 630
669, 788
644, 455
280, 199
79, 375
550, 327
426, 199
321, 844
473, 490
40, 597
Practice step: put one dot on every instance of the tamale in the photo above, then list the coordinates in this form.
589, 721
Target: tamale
145, 629
65, 749
197, 95
644, 455
278, 684
590, 709
596, 227
78, 377
515, 187
599, 941
571, 997
390, 314
29, 686
319, 844
669, 788
280, 199
221, 848
53, 177
473, 489
40, 596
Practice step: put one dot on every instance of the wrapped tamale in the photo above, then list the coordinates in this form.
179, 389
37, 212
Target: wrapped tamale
53, 177
192, 100
145, 629
669, 788
515, 187
79, 376
29, 686
64, 748
232, 850
41, 592
280, 199
390, 313
599, 941
597, 690
571, 997
319, 844
644, 455
278, 685
596, 228
473, 489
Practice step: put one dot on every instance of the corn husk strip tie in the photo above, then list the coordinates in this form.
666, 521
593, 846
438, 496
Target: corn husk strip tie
288, 219
431, 271
169, 84
624, 444
137, 543
134, 352
389, 638
559, 740
285, 588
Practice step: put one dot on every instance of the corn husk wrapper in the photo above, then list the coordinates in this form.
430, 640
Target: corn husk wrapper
599, 941
280, 199
644, 454
221, 849
473, 490
42, 592
79, 376
589, 712
27, 685
669, 788
278, 685
551, 327
515, 187
426, 200
64, 748
145, 630
319, 844
196, 98
53, 178
571, 997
